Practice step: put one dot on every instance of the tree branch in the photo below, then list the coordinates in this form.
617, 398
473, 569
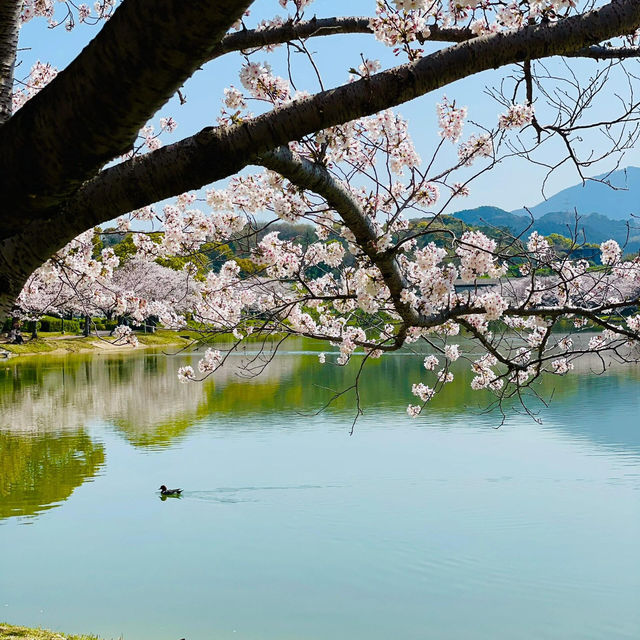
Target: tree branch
599, 52
215, 153
316, 178
316, 27
92, 111
249, 39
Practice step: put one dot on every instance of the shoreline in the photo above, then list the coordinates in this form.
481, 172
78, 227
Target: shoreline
62, 346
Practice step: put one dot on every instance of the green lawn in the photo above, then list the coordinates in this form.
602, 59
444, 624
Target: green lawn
42, 345
164, 336
47, 342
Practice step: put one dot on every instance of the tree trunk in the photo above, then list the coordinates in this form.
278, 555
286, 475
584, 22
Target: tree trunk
15, 337
9, 29
87, 326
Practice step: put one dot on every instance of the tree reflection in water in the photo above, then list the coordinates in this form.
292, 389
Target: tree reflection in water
137, 393
38, 471
48, 404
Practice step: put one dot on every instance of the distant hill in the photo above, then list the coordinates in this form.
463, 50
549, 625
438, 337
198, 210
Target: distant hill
594, 227
493, 217
594, 197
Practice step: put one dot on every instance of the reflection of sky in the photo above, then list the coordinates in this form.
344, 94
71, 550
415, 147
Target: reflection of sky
607, 411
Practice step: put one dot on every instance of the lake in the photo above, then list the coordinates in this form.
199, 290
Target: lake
289, 528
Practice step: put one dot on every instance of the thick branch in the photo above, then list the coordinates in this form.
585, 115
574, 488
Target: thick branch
256, 38
598, 52
316, 178
249, 39
92, 111
9, 29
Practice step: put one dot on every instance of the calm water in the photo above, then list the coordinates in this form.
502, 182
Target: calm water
441, 527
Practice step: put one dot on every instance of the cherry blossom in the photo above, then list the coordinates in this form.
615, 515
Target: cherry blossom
377, 269
475, 147
610, 252
450, 119
517, 116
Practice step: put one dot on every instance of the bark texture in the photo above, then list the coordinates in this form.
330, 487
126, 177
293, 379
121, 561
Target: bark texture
92, 111
9, 30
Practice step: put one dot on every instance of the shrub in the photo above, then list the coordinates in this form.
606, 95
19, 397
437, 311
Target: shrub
51, 323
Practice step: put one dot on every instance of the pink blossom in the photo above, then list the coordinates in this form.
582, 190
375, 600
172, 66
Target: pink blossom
413, 410
186, 374
561, 366
430, 363
610, 252
450, 119
517, 116
422, 391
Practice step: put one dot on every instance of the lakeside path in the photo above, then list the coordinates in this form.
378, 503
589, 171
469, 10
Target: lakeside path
65, 344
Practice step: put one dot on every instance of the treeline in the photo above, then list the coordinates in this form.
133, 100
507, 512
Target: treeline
240, 248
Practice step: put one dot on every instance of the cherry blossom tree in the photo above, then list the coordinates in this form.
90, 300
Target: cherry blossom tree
340, 159
74, 281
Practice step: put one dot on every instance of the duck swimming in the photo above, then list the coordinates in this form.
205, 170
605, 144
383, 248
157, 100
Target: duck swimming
169, 492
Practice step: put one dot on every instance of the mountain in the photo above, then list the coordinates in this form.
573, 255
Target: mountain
604, 212
493, 217
594, 227
617, 203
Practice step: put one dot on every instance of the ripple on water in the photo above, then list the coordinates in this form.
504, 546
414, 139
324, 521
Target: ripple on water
244, 494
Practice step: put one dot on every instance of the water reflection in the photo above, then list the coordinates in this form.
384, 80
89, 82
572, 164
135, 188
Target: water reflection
394, 532
40, 471
171, 497
47, 404
138, 393
605, 411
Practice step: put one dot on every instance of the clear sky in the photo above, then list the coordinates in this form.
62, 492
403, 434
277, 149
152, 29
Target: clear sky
515, 183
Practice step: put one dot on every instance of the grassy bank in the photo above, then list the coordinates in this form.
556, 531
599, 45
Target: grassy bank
9, 632
55, 343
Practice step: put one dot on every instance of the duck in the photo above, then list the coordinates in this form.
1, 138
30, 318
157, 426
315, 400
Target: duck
169, 492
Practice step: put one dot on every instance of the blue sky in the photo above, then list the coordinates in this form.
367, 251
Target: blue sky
513, 184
